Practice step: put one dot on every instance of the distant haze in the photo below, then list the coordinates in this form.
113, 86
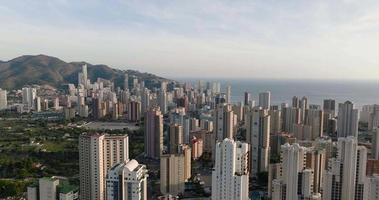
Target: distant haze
295, 39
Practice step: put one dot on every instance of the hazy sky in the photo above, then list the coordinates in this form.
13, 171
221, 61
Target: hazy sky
201, 38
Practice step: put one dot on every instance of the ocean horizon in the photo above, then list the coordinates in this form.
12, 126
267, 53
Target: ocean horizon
360, 92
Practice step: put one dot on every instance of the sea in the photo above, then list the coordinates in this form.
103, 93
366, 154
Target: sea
360, 92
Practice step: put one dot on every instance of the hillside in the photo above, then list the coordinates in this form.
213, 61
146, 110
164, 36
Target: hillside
42, 69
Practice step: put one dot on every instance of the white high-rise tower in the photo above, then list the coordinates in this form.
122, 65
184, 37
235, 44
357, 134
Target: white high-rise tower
230, 177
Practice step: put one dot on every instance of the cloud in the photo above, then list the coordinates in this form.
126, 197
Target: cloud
265, 38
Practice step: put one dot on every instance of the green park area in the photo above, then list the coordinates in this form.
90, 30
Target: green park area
33, 149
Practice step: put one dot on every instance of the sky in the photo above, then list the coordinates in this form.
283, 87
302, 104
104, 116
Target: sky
291, 39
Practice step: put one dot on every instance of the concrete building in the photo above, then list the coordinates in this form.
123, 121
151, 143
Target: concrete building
153, 133
3, 99
134, 111
290, 116
295, 180
375, 144
347, 124
372, 186
228, 94
247, 98
315, 119
265, 100
345, 177
48, 188
28, 97
97, 154
127, 181
230, 177
223, 122
52, 188
126, 82
275, 121
316, 161
257, 124
175, 138
172, 175
197, 148
163, 100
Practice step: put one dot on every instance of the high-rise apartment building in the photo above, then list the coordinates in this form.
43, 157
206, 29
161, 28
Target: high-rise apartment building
175, 138
127, 181
228, 94
375, 145
290, 116
163, 100
230, 177
172, 174
223, 122
265, 100
275, 120
134, 111
372, 187
295, 181
247, 99
329, 106
257, 123
83, 77
153, 133
315, 119
28, 97
347, 124
3, 99
345, 177
126, 81
97, 154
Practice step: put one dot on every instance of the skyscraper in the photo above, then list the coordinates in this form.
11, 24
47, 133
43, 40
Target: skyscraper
153, 133
265, 100
275, 120
290, 116
230, 177
3, 99
127, 181
28, 97
83, 77
223, 122
247, 99
258, 136
97, 154
315, 119
176, 137
228, 94
375, 144
145, 100
330, 106
134, 111
347, 124
295, 180
346, 173
172, 173
126, 81
373, 187
163, 101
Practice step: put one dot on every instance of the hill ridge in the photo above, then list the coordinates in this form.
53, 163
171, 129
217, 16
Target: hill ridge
43, 69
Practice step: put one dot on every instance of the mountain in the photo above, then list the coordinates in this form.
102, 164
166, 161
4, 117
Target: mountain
43, 69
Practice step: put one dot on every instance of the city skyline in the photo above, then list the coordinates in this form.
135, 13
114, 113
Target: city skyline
257, 39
